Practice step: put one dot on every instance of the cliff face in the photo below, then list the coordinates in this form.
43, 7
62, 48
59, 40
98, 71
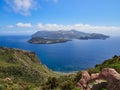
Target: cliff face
21, 66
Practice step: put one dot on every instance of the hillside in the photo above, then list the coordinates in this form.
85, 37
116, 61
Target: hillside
114, 62
70, 81
49, 37
21, 69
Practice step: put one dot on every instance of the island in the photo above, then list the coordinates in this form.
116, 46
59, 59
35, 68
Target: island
60, 36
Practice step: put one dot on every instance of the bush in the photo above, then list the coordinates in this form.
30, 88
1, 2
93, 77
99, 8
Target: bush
68, 85
78, 76
51, 83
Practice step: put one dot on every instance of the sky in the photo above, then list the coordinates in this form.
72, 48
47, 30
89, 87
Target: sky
25, 17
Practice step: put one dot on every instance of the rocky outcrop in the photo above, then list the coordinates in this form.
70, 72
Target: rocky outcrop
111, 76
83, 82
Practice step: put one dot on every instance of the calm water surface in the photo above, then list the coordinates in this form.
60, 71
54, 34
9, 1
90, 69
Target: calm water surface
70, 56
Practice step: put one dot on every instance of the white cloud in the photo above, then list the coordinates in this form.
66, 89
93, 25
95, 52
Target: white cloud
50, 26
22, 6
75, 26
110, 30
27, 25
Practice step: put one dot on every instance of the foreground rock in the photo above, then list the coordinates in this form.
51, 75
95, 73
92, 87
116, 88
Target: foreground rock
111, 76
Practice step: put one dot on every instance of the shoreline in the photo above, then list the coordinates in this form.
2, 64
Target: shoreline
65, 73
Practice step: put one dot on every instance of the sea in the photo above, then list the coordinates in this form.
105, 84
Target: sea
71, 56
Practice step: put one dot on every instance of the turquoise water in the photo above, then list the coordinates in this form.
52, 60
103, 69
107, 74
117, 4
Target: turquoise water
70, 56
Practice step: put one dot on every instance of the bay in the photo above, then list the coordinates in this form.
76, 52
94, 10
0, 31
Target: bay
70, 56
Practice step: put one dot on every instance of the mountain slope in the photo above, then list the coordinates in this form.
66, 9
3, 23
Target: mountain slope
22, 67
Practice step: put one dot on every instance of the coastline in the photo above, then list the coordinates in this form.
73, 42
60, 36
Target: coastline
65, 73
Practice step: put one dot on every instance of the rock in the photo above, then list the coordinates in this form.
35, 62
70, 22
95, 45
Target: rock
110, 75
83, 83
7, 79
95, 76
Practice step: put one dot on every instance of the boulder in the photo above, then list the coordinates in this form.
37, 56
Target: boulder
111, 76
83, 82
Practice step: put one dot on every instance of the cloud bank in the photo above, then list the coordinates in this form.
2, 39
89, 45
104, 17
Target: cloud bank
28, 28
76, 27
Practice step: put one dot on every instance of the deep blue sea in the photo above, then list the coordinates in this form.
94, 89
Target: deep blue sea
70, 56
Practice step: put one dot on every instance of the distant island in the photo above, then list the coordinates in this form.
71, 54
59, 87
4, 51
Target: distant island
50, 37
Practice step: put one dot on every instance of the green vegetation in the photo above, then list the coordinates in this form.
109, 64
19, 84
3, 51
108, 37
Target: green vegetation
69, 82
114, 62
64, 82
22, 70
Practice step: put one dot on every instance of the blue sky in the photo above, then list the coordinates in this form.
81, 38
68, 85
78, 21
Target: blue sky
29, 16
